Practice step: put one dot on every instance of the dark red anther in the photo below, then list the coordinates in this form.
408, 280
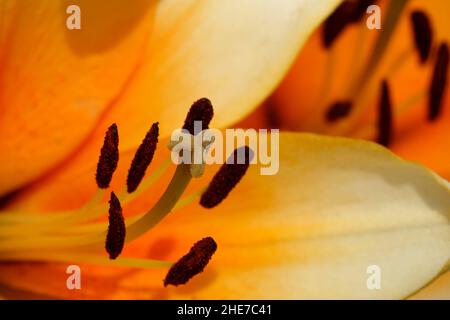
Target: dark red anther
142, 158
423, 34
200, 111
192, 263
349, 12
227, 177
385, 116
115, 238
338, 110
438, 83
109, 157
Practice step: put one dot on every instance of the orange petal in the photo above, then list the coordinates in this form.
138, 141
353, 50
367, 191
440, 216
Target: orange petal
320, 77
74, 82
428, 144
193, 52
57, 83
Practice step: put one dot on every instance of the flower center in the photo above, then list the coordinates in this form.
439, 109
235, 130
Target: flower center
75, 236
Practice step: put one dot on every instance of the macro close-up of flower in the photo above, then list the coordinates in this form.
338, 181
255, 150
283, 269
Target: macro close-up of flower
352, 95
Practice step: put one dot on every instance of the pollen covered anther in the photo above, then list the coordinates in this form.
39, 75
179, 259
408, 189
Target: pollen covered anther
385, 116
227, 178
193, 263
338, 110
423, 34
109, 157
115, 238
350, 11
142, 158
201, 110
439, 82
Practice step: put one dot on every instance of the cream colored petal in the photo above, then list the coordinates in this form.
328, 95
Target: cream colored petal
336, 208
233, 52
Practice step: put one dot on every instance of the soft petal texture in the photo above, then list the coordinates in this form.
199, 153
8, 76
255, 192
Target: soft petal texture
194, 52
233, 52
68, 87
335, 207
55, 83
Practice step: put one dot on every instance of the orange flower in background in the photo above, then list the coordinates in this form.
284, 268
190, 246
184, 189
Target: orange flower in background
350, 71
310, 231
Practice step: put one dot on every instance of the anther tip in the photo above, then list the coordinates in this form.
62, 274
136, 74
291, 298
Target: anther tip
200, 111
347, 13
109, 157
385, 125
143, 158
439, 82
338, 111
423, 34
115, 238
191, 264
227, 177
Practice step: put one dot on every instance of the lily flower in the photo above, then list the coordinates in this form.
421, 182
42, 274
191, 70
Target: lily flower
388, 85
140, 227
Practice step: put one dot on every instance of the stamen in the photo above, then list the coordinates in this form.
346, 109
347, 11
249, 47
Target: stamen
338, 110
423, 35
142, 158
192, 263
360, 89
80, 257
165, 204
385, 116
146, 183
201, 110
109, 157
439, 82
391, 20
226, 178
347, 13
84, 240
197, 170
115, 239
